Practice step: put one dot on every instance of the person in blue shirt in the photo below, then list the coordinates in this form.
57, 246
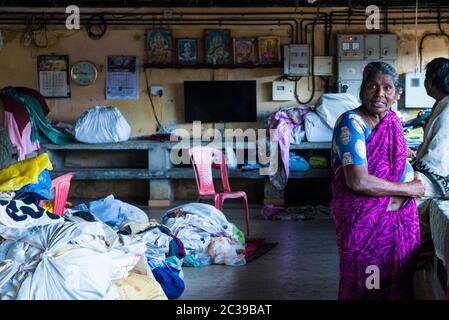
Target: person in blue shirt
349, 143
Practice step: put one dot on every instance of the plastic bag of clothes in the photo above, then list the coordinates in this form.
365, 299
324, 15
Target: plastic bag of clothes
22, 173
36, 192
222, 251
46, 257
102, 125
331, 106
298, 163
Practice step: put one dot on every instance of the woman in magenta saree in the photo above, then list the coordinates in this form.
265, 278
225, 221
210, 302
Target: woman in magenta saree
373, 205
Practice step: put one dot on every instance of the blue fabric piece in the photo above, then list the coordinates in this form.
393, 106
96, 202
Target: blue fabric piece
108, 211
251, 166
298, 163
169, 279
40, 190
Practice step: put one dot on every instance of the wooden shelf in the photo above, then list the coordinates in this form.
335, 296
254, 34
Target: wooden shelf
210, 66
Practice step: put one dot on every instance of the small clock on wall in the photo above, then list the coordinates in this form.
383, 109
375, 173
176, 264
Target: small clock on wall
84, 73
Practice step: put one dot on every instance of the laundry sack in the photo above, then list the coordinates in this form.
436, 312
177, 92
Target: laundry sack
102, 125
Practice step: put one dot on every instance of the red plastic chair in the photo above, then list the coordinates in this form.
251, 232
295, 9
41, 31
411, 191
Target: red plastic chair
61, 185
202, 162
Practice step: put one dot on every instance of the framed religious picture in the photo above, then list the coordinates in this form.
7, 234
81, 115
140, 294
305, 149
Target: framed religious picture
159, 46
244, 51
269, 50
187, 51
217, 45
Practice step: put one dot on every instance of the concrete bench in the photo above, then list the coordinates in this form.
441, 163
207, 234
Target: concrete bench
159, 169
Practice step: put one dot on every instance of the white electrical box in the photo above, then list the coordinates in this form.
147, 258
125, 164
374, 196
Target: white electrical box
322, 65
157, 90
283, 90
297, 59
415, 95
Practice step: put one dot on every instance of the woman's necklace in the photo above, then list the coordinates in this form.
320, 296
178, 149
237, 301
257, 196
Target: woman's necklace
369, 118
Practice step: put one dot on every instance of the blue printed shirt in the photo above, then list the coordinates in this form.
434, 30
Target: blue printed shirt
349, 143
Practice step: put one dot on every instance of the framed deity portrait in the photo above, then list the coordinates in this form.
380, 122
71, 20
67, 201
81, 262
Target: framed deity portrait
217, 46
244, 51
269, 50
187, 51
159, 46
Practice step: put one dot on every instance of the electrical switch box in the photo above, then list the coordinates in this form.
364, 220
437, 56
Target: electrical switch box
372, 48
415, 95
297, 60
350, 47
322, 65
388, 46
283, 90
157, 90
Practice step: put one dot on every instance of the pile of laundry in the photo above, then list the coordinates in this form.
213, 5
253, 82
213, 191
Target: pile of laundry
103, 249
208, 237
26, 122
28, 180
46, 257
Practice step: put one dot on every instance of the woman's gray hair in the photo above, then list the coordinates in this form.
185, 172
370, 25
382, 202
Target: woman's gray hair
438, 71
374, 68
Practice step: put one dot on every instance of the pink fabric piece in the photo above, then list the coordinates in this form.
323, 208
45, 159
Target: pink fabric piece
22, 142
284, 124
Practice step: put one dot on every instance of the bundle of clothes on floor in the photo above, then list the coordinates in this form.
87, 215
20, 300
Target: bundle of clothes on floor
103, 249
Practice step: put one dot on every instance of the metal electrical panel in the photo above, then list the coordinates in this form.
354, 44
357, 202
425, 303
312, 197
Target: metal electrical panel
297, 59
415, 95
355, 51
388, 47
372, 47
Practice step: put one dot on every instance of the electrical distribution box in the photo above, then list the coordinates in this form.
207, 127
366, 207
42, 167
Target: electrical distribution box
322, 65
283, 90
297, 59
355, 51
415, 95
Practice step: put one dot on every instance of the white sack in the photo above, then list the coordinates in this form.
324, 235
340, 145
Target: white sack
102, 125
330, 106
316, 129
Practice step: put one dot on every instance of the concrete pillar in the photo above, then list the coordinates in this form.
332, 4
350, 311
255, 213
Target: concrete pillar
161, 190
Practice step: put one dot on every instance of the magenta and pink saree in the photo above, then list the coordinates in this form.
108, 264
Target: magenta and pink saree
370, 235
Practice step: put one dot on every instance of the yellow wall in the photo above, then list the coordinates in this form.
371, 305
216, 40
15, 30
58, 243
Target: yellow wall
18, 68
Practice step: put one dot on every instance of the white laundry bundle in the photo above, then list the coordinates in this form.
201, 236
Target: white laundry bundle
102, 125
331, 106
45, 257
202, 228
